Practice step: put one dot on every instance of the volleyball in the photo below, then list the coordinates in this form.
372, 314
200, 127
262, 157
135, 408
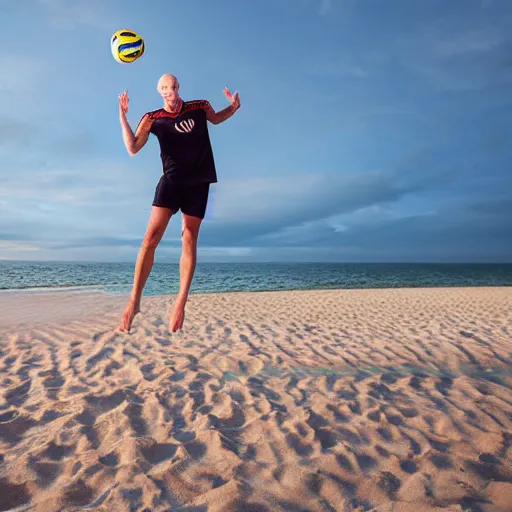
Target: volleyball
127, 46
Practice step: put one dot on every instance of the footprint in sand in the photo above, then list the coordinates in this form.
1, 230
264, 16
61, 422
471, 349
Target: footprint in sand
13, 495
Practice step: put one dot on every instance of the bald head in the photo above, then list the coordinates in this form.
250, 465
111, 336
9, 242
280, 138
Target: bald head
168, 87
167, 81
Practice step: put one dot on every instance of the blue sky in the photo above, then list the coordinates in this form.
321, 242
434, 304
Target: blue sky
369, 130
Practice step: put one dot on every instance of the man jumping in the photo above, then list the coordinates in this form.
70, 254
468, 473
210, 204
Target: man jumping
188, 169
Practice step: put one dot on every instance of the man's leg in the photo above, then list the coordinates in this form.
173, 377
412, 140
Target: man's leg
156, 228
189, 236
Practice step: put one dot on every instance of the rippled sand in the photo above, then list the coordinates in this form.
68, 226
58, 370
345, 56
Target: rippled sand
348, 400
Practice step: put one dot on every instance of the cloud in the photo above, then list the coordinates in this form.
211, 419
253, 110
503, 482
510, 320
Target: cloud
44, 141
470, 42
68, 208
444, 53
450, 234
501, 207
370, 213
385, 230
457, 229
300, 196
450, 58
15, 131
250, 208
9, 246
92, 197
334, 229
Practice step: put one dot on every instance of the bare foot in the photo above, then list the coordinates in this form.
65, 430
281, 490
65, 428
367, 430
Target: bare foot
130, 311
177, 316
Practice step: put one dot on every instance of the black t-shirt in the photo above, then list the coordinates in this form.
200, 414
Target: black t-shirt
185, 147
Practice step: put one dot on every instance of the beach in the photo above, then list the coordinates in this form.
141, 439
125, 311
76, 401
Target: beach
322, 400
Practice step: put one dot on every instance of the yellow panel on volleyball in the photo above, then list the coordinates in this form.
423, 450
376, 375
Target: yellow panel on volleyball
127, 46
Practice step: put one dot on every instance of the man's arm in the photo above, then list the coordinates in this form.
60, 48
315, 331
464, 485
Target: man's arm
224, 114
221, 115
133, 142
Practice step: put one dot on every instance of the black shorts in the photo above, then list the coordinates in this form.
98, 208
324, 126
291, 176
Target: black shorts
192, 199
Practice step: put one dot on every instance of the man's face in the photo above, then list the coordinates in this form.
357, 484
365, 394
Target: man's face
168, 88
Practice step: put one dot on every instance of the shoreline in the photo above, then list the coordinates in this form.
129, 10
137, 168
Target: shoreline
85, 288
26, 308
88, 302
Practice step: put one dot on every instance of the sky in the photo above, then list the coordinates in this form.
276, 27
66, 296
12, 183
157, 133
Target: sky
369, 131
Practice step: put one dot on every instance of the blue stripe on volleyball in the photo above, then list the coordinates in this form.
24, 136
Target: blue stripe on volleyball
127, 46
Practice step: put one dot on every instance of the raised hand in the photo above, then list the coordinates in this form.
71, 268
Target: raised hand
123, 102
234, 100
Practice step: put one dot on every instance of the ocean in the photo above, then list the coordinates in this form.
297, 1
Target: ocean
116, 278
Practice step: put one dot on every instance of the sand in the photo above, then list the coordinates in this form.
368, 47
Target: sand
346, 400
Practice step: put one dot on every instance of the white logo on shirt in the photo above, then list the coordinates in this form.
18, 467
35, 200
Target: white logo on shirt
185, 126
